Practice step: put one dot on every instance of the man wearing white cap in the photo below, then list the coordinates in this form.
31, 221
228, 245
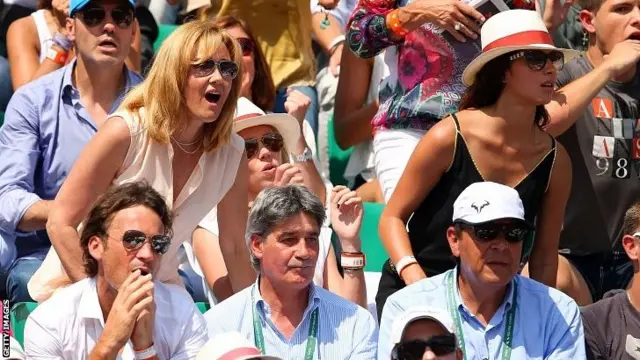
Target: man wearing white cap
497, 313
424, 333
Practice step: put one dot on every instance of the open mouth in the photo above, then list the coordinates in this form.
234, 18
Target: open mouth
212, 97
143, 271
634, 36
547, 84
108, 43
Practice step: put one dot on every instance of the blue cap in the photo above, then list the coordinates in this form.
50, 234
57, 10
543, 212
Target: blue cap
76, 5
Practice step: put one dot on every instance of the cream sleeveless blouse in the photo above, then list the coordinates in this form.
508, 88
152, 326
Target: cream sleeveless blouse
151, 161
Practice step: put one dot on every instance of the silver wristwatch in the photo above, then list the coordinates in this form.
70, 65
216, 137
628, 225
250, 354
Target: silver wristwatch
305, 156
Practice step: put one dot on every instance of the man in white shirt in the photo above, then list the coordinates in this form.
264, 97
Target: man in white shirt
119, 311
284, 313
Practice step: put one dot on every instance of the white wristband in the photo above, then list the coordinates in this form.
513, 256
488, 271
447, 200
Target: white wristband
404, 262
146, 353
337, 40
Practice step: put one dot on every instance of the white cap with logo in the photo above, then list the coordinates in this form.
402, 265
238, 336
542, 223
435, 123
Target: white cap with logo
486, 201
231, 346
416, 313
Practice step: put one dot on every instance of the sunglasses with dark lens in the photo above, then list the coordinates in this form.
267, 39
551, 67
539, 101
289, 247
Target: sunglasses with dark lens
486, 232
135, 239
414, 349
537, 59
228, 69
273, 141
246, 45
93, 16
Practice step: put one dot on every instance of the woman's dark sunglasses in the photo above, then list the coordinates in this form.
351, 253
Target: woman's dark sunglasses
513, 232
228, 69
135, 239
414, 349
273, 141
94, 15
537, 59
246, 45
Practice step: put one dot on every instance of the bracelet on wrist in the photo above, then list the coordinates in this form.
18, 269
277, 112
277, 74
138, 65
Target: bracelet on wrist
353, 260
394, 24
147, 353
333, 45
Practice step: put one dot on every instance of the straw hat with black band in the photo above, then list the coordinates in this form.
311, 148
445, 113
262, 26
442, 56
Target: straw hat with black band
510, 31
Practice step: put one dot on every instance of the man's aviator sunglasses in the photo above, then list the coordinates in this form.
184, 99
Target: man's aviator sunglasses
134, 240
513, 232
93, 15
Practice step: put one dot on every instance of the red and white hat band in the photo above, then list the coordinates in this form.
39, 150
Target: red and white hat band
239, 352
533, 37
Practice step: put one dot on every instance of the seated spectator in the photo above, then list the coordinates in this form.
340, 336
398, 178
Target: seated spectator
424, 333
231, 346
175, 132
496, 311
496, 136
267, 140
283, 312
612, 325
40, 43
120, 310
48, 122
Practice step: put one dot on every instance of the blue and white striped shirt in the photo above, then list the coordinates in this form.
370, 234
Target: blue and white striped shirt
547, 322
345, 330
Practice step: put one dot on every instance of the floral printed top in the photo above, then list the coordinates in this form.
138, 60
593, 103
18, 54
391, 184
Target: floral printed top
425, 80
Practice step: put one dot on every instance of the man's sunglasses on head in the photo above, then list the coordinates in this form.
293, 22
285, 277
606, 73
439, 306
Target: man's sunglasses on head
414, 349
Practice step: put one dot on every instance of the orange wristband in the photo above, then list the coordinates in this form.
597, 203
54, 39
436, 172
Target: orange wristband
395, 25
58, 57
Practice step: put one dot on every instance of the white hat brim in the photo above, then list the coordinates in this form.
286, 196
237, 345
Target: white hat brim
286, 125
469, 74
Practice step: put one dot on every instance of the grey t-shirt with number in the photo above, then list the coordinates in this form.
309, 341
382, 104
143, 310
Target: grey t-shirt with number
604, 146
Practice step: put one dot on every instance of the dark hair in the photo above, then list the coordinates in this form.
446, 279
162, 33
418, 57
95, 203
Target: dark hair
263, 92
118, 198
631, 221
488, 87
44, 4
591, 5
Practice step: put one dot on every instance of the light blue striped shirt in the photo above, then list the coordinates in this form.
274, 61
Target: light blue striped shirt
345, 330
547, 323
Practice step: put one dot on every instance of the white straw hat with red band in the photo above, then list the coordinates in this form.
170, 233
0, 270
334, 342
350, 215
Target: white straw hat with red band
249, 115
231, 346
510, 31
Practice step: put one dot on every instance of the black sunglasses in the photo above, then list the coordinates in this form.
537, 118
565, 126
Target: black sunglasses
246, 45
273, 141
135, 239
414, 349
94, 15
228, 69
513, 232
537, 59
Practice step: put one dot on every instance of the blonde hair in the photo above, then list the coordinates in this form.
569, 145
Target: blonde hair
161, 92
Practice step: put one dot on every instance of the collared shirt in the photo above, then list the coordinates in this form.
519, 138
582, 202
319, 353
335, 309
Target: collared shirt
45, 128
68, 325
547, 322
345, 330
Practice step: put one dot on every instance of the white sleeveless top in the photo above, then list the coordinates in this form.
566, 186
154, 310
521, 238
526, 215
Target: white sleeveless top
44, 35
151, 161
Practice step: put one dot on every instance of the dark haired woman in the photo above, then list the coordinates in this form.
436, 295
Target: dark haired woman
496, 136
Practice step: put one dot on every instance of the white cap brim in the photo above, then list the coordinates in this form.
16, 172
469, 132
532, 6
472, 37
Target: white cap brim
286, 125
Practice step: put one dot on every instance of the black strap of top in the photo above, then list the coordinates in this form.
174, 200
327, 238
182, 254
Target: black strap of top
455, 121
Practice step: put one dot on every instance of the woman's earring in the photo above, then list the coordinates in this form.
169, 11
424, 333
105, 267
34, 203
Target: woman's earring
585, 39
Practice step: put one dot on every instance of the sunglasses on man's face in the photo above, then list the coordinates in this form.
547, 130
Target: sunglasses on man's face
414, 349
228, 69
273, 141
513, 232
95, 15
246, 45
135, 239
537, 59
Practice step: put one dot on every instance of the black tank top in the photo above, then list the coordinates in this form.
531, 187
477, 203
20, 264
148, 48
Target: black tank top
427, 226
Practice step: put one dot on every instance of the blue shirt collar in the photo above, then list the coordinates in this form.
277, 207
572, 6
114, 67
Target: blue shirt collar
263, 307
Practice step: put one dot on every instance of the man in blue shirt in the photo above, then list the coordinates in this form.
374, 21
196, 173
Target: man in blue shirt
497, 313
284, 313
48, 122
